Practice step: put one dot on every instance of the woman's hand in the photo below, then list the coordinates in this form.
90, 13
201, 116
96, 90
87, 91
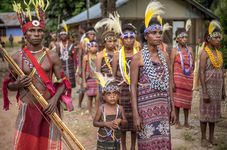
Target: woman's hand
206, 98
137, 123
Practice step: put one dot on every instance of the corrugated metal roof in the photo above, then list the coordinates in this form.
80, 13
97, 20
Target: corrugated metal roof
94, 12
9, 19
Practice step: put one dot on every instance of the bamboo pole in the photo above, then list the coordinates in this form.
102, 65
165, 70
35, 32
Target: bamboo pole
54, 117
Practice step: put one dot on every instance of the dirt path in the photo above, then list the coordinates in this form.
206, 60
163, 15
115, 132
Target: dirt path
81, 125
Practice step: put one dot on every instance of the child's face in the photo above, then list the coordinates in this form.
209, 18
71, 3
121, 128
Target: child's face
93, 49
111, 97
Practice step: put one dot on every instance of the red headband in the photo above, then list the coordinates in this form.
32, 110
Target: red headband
33, 23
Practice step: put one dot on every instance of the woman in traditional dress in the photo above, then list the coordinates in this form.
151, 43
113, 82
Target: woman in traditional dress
152, 104
109, 39
121, 71
212, 81
182, 70
89, 80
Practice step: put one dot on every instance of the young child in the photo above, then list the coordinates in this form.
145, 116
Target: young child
89, 80
109, 118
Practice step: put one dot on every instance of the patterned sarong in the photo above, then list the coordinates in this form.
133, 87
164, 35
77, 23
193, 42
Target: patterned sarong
183, 95
211, 112
125, 99
35, 131
154, 111
91, 87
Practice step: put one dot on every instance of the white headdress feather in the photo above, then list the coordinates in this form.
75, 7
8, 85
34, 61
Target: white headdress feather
214, 24
111, 23
166, 27
188, 25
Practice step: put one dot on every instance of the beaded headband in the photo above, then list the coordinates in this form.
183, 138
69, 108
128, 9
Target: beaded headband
182, 35
24, 16
153, 28
63, 32
110, 88
110, 38
91, 44
216, 34
91, 32
126, 35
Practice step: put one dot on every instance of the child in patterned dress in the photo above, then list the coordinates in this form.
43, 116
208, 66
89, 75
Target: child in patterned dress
109, 118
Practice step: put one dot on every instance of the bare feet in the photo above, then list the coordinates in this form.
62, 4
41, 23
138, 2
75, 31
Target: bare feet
188, 126
178, 125
213, 142
206, 144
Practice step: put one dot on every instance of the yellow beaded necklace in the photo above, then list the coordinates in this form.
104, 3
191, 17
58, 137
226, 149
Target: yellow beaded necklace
106, 60
216, 62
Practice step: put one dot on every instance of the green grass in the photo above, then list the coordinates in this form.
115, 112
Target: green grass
188, 136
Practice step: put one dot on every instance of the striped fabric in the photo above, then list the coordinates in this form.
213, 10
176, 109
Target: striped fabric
183, 95
125, 99
104, 67
92, 87
71, 73
35, 131
211, 112
154, 111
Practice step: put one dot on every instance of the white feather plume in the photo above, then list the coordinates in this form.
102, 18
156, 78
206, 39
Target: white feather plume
166, 27
188, 25
111, 23
214, 24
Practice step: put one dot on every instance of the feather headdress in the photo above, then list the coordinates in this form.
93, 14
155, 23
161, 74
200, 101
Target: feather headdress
153, 9
65, 26
112, 23
214, 24
188, 25
166, 27
39, 7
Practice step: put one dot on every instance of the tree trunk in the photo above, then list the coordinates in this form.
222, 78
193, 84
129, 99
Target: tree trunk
107, 6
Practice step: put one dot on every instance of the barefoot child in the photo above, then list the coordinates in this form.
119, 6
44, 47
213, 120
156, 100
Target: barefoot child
109, 118
89, 82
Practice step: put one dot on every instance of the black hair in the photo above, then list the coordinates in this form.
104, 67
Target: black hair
90, 29
27, 19
179, 31
128, 27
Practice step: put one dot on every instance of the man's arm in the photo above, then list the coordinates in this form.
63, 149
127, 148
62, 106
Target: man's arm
21, 82
57, 69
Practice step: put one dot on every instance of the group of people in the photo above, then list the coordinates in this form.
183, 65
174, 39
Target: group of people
138, 88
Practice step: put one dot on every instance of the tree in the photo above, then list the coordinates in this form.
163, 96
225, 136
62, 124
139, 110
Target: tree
107, 6
6, 5
63, 10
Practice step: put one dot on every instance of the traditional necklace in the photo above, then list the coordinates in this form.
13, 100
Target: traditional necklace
109, 132
64, 51
216, 62
106, 60
35, 52
123, 65
91, 60
187, 72
155, 80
